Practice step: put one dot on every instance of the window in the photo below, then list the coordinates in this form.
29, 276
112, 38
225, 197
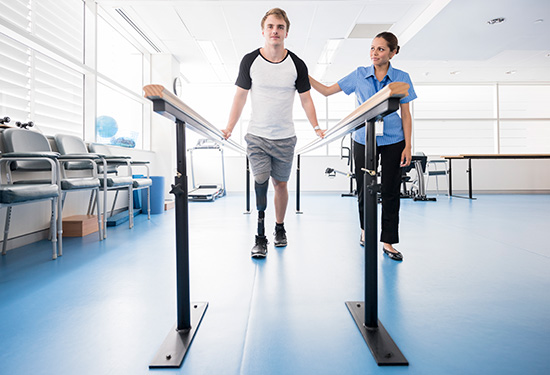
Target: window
117, 58
119, 118
35, 87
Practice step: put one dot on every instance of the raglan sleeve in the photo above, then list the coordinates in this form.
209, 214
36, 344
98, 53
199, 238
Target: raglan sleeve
244, 80
302, 80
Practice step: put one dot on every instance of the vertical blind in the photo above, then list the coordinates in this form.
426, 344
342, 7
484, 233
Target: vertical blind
36, 87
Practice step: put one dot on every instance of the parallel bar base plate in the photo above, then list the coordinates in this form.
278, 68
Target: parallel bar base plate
176, 343
381, 345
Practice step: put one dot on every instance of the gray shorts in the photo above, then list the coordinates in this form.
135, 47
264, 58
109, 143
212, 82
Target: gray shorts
272, 157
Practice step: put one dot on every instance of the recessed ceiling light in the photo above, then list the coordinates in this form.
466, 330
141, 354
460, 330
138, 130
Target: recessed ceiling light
540, 20
511, 72
496, 21
454, 73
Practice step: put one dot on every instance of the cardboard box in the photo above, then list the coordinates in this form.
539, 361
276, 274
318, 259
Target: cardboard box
79, 225
169, 204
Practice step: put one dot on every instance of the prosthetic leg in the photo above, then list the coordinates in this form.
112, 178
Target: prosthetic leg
260, 248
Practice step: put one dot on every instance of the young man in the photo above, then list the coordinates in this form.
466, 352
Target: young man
272, 74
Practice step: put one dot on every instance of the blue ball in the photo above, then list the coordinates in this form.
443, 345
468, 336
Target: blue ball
106, 126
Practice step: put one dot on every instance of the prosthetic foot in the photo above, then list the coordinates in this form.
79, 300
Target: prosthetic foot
260, 247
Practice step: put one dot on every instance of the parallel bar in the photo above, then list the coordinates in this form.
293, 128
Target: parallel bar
175, 346
367, 111
170, 106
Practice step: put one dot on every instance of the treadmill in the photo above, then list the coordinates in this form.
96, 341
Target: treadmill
206, 192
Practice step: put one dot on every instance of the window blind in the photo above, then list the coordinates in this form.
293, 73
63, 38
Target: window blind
58, 97
60, 23
15, 81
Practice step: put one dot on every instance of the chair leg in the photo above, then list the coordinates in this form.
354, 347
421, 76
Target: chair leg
114, 203
57, 216
92, 202
149, 203
100, 216
6, 231
131, 206
59, 226
104, 214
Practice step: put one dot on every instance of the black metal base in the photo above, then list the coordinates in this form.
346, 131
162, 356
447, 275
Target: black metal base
424, 199
381, 345
176, 343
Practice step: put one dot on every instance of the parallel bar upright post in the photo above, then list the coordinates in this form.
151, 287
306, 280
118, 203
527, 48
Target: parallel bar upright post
370, 201
179, 338
182, 233
365, 313
247, 186
298, 184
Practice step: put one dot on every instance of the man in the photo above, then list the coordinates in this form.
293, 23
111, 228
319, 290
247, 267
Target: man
272, 74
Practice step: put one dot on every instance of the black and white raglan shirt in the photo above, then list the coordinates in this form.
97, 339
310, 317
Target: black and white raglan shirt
272, 87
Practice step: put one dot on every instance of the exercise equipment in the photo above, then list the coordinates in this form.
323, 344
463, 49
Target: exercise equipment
418, 184
365, 313
180, 337
345, 153
206, 192
25, 125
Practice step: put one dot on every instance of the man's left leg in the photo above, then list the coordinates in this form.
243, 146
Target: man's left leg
280, 203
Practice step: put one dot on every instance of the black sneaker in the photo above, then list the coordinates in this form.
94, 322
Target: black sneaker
260, 248
280, 236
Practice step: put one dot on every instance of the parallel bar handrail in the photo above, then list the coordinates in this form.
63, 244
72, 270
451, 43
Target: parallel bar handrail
169, 105
357, 118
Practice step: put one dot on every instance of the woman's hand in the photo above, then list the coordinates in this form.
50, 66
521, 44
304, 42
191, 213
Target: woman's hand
406, 157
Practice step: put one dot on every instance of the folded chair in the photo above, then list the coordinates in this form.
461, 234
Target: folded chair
109, 176
27, 141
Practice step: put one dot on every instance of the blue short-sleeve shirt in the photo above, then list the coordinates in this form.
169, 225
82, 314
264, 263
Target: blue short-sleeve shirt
364, 84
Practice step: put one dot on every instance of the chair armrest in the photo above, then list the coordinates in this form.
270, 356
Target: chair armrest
68, 157
22, 155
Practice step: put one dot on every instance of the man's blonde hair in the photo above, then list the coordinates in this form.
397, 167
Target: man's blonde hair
279, 13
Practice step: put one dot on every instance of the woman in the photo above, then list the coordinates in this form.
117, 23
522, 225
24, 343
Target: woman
394, 146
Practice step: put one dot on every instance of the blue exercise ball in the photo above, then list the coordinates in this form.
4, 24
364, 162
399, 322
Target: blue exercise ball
106, 126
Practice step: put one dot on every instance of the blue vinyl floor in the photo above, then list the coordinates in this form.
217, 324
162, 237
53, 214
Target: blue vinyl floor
472, 295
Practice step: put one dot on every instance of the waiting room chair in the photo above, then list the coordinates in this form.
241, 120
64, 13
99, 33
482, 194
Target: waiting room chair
436, 167
138, 183
28, 141
109, 177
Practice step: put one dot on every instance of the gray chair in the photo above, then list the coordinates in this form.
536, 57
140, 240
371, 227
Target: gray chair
27, 141
13, 194
436, 168
138, 183
109, 176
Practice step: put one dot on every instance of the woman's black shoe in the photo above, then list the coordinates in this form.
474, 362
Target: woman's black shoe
394, 256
